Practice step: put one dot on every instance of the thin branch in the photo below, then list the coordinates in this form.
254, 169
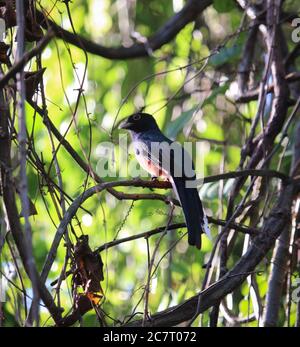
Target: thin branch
247, 58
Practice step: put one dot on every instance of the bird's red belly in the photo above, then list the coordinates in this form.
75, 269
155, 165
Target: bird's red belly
153, 169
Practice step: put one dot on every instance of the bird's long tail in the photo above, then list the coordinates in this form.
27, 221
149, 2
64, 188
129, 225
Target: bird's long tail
195, 217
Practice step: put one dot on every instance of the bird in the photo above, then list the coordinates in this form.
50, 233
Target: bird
162, 157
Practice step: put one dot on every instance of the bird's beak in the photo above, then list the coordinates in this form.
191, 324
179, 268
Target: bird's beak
125, 124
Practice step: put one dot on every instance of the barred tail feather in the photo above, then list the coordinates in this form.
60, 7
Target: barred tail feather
205, 226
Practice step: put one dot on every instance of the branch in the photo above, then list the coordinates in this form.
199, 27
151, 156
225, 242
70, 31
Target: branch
164, 35
247, 58
246, 173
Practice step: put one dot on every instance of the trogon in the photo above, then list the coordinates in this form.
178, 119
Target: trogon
160, 156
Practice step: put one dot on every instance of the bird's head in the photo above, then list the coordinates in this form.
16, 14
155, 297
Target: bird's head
139, 122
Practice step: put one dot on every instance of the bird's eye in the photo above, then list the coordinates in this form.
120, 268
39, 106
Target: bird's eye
136, 117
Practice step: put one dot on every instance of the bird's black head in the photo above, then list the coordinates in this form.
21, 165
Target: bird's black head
139, 122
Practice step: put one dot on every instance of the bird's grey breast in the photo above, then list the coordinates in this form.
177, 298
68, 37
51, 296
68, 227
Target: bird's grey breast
141, 144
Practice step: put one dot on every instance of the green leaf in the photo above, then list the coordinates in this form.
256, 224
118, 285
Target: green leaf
226, 54
216, 91
177, 125
223, 6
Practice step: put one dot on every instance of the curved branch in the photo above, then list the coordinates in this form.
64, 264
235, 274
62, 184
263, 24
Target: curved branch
164, 35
